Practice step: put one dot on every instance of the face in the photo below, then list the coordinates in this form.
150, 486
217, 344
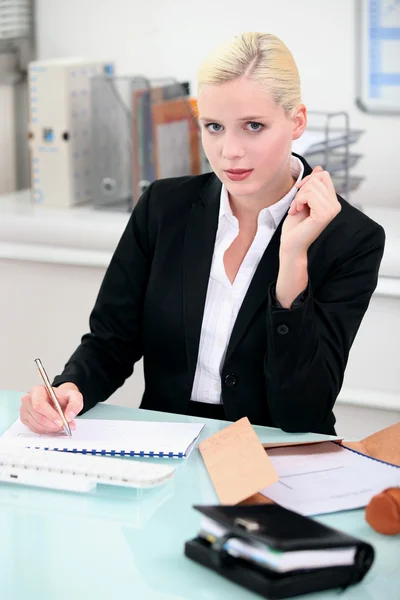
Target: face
247, 138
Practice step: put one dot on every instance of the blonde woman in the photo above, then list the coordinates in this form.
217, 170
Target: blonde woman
242, 289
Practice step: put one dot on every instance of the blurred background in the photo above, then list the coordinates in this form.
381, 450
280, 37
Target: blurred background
98, 98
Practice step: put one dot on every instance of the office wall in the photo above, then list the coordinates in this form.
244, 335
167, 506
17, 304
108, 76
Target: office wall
50, 304
170, 38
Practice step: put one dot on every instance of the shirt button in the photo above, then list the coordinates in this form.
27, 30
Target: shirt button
230, 380
282, 329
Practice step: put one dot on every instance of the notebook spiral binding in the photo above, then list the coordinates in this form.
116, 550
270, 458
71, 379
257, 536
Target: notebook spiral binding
94, 452
368, 456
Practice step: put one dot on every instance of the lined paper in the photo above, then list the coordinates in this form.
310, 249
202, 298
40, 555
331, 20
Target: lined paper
326, 478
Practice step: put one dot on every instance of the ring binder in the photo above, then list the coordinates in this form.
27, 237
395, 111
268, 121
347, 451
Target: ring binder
219, 554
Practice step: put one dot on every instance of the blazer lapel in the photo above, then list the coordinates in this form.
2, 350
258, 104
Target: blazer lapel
265, 274
199, 244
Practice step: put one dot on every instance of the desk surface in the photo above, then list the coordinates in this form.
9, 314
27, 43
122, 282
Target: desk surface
117, 544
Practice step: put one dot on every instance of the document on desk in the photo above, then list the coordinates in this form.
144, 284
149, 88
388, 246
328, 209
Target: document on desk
327, 477
98, 436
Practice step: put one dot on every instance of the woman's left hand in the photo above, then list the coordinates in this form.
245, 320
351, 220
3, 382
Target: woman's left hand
313, 208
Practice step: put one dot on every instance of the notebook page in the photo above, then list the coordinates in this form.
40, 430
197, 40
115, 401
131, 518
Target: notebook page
326, 478
112, 435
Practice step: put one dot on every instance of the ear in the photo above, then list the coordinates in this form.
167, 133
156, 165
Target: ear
299, 121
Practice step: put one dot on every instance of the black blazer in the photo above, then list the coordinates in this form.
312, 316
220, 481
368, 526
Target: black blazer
282, 368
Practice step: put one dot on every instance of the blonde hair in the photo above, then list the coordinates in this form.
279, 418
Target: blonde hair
262, 57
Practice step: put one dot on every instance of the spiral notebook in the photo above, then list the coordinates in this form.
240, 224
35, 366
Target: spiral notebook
113, 437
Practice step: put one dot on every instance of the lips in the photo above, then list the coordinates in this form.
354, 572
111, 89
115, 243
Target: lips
238, 174
238, 171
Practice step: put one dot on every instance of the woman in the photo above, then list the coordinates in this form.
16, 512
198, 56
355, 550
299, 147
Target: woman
243, 289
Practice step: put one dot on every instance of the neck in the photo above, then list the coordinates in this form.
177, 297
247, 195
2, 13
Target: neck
247, 208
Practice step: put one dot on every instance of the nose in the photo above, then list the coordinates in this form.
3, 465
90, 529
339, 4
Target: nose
232, 148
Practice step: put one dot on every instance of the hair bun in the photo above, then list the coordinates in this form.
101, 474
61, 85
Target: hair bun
383, 512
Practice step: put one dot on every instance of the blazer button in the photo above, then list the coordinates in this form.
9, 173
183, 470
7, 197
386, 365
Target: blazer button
283, 329
230, 380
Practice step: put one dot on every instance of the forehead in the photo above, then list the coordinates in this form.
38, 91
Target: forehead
238, 98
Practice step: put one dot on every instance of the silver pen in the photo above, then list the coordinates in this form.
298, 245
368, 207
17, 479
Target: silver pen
52, 395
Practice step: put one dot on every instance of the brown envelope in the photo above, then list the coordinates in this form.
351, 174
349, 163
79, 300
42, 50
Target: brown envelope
269, 445
239, 466
384, 445
237, 462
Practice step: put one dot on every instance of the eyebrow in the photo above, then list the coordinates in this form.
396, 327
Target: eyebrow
258, 118
253, 118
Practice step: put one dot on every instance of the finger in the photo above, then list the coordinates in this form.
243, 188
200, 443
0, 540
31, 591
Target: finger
325, 185
43, 425
34, 426
74, 404
318, 187
295, 208
30, 424
314, 195
319, 208
298, 202
313, 187
40, 423
327, 180
41, 403
309, 178
299, 206
323, 176
316, 173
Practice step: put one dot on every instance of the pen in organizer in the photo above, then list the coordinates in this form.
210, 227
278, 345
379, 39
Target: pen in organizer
52, 395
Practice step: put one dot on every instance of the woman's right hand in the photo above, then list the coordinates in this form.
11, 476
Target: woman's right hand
37, 411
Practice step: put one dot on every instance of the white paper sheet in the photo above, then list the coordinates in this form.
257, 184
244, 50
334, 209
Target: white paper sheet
113, 435
327, 478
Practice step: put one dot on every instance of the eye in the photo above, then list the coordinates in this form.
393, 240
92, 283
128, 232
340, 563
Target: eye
253, 126
213, 127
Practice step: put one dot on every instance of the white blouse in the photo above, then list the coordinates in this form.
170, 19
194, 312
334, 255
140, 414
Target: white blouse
224, 299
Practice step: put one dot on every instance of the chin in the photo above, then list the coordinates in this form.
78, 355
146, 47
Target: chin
242, 188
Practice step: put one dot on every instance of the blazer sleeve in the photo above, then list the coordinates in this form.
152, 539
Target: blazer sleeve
308, 346
106, 355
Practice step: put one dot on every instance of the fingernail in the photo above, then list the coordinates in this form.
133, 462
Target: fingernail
58, 422
72, 425
69, 416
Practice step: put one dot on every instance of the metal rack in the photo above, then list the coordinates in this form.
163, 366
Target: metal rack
326, 142
16, 39
17, 49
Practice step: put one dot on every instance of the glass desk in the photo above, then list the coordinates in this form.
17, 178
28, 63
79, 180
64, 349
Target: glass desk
117, 544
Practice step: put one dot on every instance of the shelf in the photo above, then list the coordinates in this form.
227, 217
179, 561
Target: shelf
336, 161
